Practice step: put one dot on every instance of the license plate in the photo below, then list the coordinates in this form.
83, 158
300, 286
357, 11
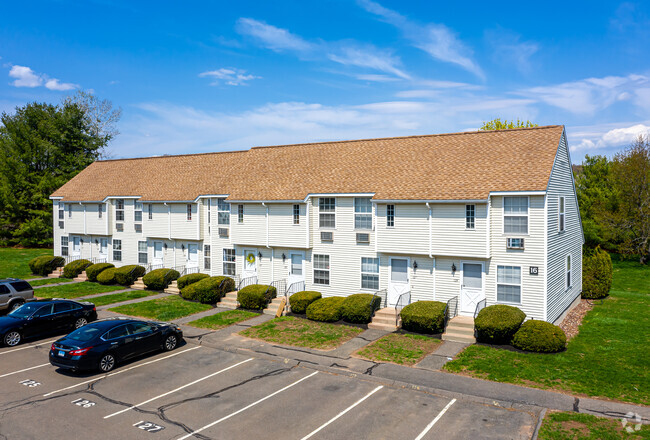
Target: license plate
61, 353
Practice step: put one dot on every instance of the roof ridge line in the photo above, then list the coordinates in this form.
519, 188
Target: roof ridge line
173, 155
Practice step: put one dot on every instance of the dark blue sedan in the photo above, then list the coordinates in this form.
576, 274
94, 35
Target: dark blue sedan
102, 344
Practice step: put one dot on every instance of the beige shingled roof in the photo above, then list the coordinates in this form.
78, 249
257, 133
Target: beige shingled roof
457, 166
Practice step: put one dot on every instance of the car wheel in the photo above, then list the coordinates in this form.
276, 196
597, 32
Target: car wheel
12, 338
80, 323
106, 363
171, 342
15, 305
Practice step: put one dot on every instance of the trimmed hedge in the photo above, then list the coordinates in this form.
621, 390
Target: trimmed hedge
255, 296
45, 264
539, 337
74, 268
190, 278
326, 309
159, 279
126, 275
95, 269
357, 309
597, 272
424, 317
207, 290
497, 324
301, 300
107, 276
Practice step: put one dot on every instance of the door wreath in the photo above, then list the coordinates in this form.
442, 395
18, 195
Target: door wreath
250, 258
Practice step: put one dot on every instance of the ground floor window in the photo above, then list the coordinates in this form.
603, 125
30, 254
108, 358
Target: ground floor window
370, 273
64, 246
117, 250
509, 284
322, 269
206, 256
142, 252
568, 271
229, 262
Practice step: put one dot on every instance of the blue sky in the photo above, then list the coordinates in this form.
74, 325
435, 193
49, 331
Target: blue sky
212, 76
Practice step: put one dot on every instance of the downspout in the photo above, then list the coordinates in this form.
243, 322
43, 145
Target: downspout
84, 217
169, 225
430, 231
307, 203
267, 225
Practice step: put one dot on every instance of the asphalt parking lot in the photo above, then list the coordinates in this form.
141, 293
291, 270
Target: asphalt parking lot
200, 392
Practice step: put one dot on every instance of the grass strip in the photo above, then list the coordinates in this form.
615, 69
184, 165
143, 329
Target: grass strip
399, 348
120, 297
575, 426
74, 290
163, 309
223, 319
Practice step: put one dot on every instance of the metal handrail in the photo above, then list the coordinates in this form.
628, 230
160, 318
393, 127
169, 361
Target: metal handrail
296, 287
279, 286
247, 282
397, 304
193, 269
479, 306
451, 310
377, 294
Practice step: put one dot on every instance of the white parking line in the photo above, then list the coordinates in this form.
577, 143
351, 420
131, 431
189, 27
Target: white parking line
28, 346
178, 389
433, 422
343, 412
121, 371
25, 369
246, 407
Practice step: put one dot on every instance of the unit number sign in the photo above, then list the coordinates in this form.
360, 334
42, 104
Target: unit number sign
533, 270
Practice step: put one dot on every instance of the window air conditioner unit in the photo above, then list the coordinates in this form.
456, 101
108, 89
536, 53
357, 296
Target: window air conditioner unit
363, 238
61, 225
223, 232
138, 227
326, 236
119, 227
515, 243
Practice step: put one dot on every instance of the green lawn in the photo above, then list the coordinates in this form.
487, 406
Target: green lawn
609, 357
49, 281
290, 330
398, 348
164, 309
120, 297
13, 261
575, 426
74, 290
223, 319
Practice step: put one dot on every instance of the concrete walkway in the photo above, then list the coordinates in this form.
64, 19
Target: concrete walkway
57, 284
443, 354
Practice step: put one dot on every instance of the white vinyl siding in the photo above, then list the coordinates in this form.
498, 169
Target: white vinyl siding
252, 231
286, 228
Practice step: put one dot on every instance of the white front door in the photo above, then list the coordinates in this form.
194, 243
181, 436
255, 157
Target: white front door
398, 282
76, 247
472, 288
250, 263
157, 252
103, 248
192, 255
296, 268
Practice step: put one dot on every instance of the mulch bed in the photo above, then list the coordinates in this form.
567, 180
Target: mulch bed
571, 323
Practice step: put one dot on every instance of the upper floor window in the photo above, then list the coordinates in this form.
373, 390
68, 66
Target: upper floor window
561, 214
296, 214
240, 213
390, 216
470, 216
362, 213
119, 210
61, 211
568, 271
327, 212
223, 212
100, 210
117, 250
137, 215
515, 215
209, 205
189, 211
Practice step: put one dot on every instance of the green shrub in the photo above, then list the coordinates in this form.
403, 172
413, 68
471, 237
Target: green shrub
357, 309
107, 276
45, 264
256, 296
597, 272
126, 275
190, 278
497, 324
159, 279
326, 309
208, 290
540, 337
424, 317
74, 268
301, 300
95, 269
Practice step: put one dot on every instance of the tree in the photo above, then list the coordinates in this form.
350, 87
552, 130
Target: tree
99, 115
42, 146
498, 124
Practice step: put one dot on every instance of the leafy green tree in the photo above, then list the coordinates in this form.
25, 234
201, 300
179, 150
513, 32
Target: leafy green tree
498, 124
42, 146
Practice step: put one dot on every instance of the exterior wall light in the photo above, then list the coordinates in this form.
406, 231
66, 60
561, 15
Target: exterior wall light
453, 268
284, 257
165, 246
182, 247
259, 254
415, 265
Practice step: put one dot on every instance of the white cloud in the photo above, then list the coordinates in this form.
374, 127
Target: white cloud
369, 57
509, 50
272, 37
230, 76
603, 138
377, 78
26, 77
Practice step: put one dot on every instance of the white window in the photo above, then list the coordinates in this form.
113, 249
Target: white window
142, 252
100, 210
208, 202
327, 212
189, 211
509, 284
117, 250
296, 214
370, 273
561, 212
362, 213
206, 256
515, 215
322, 269
568, 271
157, 250
137, 214
229, 262
138, 228
150, 211
240, 213
390, 216
223, 212
61, 211
296, 264
119, 210
64, 246
470, 216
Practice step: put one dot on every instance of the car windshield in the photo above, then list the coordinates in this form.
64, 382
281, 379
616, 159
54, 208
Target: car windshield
84, 334
25, 310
